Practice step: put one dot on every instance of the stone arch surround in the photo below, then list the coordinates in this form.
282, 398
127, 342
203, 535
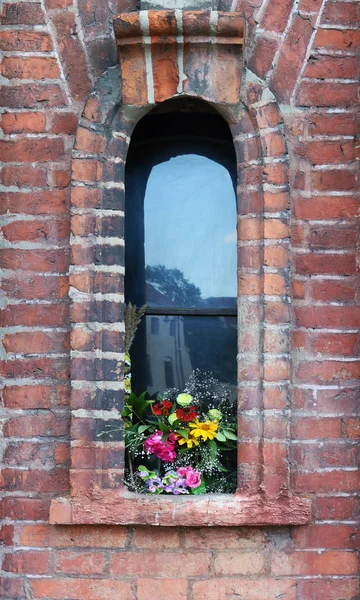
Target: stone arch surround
97, 296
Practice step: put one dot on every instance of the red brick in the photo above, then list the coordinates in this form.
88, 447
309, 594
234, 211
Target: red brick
43, 261
321, 153
162, 589
41, 425
334, 508
24, 509
309, 6
25, 561
7, 535
25, 41
238, 563
50, 316
342, 264
82, 589
331, 316
328, 237
22, 13
54, 231
140, 564
86, 169
36, 342
313, 563
262, 56
64, 122
276, 256
325, 536
327, 94
337, 401
23, 176
31, 287
36, 203
30, 122
332, 124
11, 587
38, 95
337, 180
336, 481
325, 454
32, 150
274, 285
254, 589
35, 481
276, 370
323, 67
89, 141
292, 55
326, 207
276, 16
56, 4
85, 536
337, 39
340, 13
72, 55
36, 368
328, 372
146, 537
30, 68
60, 178
336, 343
83, 563
352, 428
331, 589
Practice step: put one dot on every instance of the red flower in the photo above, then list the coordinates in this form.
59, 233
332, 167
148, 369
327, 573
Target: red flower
187, 413
162, 408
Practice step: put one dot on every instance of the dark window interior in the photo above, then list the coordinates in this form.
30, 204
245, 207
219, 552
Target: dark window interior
180, 250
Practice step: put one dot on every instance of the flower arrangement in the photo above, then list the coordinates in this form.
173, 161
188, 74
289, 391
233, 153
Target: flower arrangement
187, 439
184, 442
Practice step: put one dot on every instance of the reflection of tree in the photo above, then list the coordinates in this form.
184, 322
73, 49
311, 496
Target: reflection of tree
173, 285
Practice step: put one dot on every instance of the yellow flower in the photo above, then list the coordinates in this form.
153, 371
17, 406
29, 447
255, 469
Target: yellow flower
206, 430
190, 442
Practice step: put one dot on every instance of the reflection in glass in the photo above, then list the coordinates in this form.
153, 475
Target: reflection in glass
182, 344
190, 234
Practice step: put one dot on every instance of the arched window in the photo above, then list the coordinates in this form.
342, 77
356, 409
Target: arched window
180, 246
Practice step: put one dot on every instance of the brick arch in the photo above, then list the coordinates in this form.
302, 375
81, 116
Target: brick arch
97, 294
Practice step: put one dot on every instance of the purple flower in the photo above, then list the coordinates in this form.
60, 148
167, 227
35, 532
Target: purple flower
154, 484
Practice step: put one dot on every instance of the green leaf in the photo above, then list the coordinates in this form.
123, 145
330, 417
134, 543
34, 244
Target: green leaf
212, 450
164, 428
199, 490
183, 432
230, 435
143, 428
220, 436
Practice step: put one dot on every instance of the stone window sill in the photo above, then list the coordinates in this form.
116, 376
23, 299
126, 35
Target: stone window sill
125, 508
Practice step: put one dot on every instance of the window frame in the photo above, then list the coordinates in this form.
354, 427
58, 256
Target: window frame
193, 40
174, 129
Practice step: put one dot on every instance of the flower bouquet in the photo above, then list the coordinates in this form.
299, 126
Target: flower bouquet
184, 442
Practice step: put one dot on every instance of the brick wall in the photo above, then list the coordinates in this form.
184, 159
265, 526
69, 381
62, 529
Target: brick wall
53, 53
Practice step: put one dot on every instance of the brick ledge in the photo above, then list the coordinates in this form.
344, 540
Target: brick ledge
124, 508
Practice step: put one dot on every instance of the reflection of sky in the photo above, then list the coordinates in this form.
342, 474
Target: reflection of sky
190, 222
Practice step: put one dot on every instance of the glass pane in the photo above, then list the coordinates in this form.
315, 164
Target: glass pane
190, 234
178, 345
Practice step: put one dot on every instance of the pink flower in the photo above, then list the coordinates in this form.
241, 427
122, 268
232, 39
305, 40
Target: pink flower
165, 450
191, 476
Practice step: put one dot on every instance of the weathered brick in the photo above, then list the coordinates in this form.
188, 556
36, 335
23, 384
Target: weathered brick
32, 150
30, 122
24, 561
30, 68
25, 41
